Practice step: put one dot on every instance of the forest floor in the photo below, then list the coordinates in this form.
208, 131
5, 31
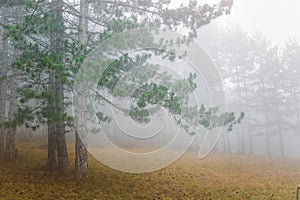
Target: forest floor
219, 176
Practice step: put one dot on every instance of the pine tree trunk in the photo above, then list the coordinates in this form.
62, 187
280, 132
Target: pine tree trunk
268, 137
250, 143
224, 142
2, 141
57, 46
280, 133
228, 143
243, 139
81, 160
281, 145
52, 161
268, 140
2, 113
81, 155
62, 153
10, 149
247, 111
3, 82
242, 150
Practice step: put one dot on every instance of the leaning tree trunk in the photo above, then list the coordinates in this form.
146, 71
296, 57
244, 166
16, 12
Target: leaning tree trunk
10, 149
81, 160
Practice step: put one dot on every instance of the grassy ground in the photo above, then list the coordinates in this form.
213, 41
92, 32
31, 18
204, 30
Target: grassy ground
220, 176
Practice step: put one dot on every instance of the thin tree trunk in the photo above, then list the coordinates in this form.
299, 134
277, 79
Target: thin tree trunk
248, 113
238, 142
295, 108
243, 139
3, 83
280, 133
228, 143
27, 133
268, 137
81, 160
241, 133
2, 141
281, 145
224, 143
268, 143
250, 143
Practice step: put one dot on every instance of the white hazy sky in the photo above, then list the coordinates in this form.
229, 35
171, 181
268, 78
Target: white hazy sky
279, 20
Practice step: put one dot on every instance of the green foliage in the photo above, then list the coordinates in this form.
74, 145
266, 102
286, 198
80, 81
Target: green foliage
103, 118
38, 60
153, 94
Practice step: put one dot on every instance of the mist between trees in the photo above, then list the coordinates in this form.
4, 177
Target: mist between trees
262, 79
44, 44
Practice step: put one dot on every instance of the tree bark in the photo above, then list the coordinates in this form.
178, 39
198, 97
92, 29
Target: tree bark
58, 126
62, 153
3, 83
51, 161
3, 87
10, 149
2, 141
52, 155
81, 160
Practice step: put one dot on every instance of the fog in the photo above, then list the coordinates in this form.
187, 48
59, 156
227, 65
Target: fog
149, 99
254, 53
261, 78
